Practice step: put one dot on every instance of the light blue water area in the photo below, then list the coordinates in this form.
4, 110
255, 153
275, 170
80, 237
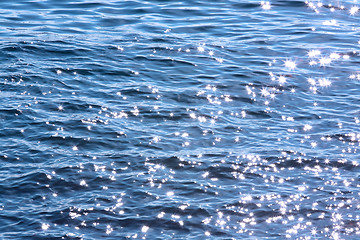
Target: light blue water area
179, 119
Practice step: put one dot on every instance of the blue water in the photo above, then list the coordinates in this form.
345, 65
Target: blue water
179, 119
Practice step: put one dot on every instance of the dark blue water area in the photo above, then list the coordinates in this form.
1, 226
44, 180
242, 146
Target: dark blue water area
179, 119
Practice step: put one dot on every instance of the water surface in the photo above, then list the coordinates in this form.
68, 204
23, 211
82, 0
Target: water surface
179, 119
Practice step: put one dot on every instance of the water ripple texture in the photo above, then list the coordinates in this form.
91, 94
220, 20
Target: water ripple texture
179, 119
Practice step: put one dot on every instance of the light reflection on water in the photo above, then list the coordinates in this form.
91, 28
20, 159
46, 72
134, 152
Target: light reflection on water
220, 121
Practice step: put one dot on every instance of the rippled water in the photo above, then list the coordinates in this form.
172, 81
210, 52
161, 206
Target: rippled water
179, 119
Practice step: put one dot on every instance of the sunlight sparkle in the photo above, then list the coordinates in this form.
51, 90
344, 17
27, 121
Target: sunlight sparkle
290, 64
